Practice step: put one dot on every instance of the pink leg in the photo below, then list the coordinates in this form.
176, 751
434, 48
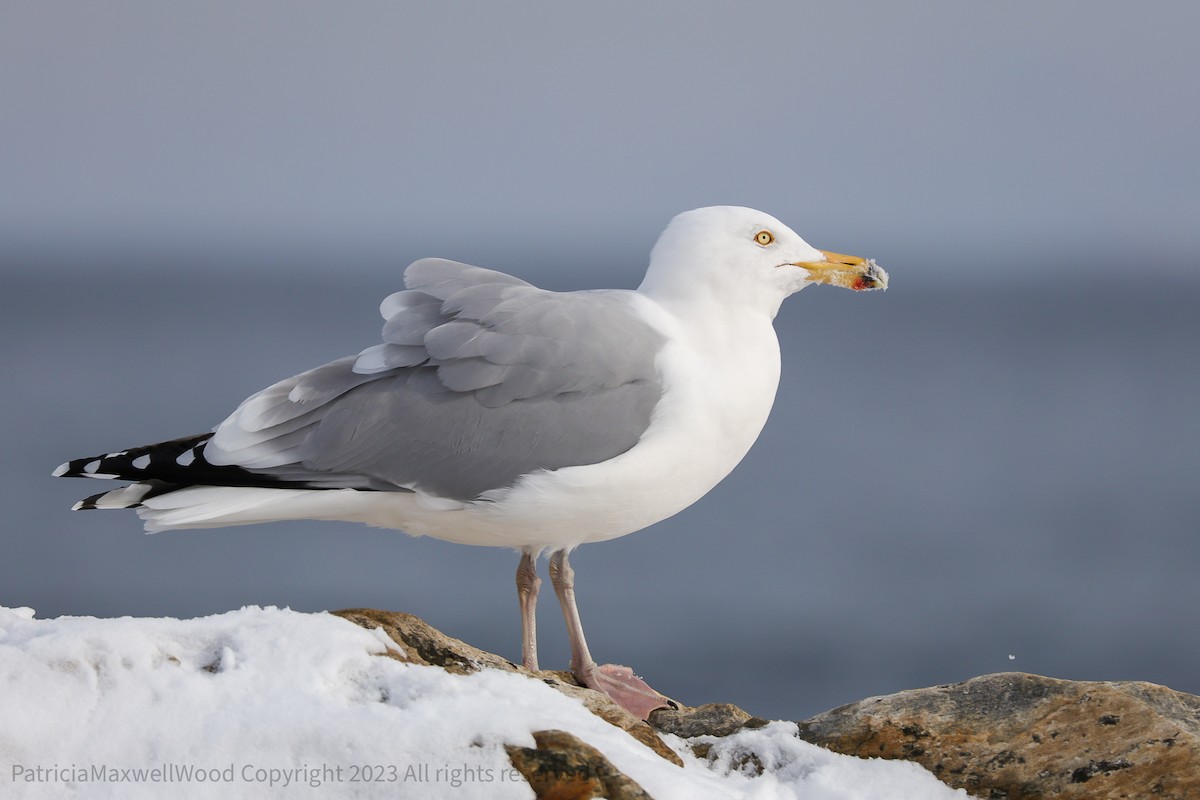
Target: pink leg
618, 682
528, 584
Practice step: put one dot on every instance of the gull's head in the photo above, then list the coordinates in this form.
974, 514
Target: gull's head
747, 256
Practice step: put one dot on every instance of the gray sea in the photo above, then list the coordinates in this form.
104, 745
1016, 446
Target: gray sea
958, 478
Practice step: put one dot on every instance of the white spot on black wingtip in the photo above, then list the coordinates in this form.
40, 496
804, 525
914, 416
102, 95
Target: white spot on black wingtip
61, 470
91, 466
141, 462
78, 506
186, 457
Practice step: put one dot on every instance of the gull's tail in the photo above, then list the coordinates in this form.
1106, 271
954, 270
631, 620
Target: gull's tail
159, 469
174, 486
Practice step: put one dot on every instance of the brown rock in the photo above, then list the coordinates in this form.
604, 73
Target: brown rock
713, 719
564, 767
424, 644
1014, 735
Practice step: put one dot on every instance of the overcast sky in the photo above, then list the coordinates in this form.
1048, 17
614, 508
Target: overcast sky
919, 133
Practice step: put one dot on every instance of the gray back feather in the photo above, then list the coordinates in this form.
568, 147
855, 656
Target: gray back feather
481, 378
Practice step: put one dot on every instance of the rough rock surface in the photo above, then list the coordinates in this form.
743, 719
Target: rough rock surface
564, 767
713, 719
1013, 735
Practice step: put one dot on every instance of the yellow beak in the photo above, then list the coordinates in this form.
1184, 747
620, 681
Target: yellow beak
850, 272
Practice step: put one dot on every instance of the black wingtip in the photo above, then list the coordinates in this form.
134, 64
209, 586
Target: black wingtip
136, 463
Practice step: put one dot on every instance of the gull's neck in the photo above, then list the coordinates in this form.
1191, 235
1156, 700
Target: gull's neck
700, 293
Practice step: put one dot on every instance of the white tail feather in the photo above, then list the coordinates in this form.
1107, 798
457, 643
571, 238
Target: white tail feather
223, 506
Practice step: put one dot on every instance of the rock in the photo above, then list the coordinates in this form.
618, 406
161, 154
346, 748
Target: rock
424, 644
714, 719
1014, 735
564, 767
1009, 735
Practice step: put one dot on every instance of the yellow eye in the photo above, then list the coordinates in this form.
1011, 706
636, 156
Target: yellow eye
764, 238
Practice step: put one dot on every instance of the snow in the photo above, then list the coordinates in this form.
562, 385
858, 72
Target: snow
267, 702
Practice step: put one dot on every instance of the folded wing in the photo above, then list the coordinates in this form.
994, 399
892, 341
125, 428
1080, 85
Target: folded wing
480, 378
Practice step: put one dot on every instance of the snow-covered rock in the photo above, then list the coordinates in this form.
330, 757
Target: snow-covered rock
267, 702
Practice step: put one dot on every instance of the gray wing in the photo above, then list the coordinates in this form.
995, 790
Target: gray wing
481, 378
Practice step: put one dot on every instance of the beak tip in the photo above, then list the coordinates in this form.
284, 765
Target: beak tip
873, 277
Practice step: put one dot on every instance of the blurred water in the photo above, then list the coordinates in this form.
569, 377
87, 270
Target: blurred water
953, 475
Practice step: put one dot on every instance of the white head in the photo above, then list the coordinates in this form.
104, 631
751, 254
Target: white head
747, 257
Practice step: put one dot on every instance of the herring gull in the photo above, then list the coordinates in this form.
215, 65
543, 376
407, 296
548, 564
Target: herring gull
497, 413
